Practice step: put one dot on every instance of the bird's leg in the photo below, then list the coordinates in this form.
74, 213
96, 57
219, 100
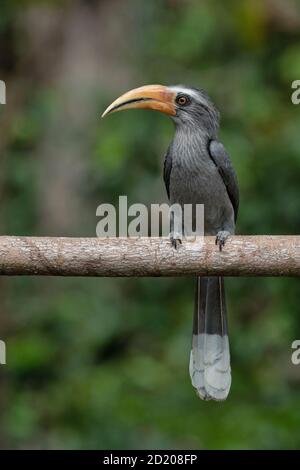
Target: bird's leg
221, 238
175, 237
175, 241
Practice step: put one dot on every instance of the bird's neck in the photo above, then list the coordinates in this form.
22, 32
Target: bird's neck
190, 145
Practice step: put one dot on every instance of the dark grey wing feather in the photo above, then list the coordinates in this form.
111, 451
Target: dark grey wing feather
167, 171
222, 161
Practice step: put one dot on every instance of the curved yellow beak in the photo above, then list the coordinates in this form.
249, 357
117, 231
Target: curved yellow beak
157, 97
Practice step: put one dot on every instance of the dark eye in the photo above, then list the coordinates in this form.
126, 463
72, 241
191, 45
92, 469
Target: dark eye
182, 100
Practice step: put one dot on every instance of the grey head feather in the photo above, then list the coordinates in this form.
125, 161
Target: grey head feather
199, 113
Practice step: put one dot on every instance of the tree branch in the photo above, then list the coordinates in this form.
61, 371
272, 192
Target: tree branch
241, 256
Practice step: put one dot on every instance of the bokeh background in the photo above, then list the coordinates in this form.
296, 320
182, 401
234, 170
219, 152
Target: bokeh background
103, 363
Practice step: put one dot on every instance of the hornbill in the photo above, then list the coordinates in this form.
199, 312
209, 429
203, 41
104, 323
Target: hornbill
198, 170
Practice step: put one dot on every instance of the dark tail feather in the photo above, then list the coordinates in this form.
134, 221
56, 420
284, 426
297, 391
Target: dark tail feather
210, 357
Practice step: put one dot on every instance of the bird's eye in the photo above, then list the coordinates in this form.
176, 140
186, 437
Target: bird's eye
182, 100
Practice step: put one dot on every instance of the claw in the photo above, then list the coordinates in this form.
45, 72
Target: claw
221, 238
175, 242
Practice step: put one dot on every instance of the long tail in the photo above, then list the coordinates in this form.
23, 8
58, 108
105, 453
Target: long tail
210, 357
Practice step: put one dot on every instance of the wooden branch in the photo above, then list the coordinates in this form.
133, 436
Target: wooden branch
241, 256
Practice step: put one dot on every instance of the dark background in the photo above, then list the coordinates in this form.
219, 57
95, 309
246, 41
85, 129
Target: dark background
103, 363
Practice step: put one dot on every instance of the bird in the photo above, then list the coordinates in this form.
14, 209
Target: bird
198, 170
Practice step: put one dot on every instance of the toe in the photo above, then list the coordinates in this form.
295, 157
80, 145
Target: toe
221, 238
176, 242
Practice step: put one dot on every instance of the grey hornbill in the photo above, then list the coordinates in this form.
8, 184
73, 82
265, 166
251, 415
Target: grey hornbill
198, 170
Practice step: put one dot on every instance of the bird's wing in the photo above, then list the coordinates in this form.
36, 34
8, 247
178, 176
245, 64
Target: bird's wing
223, 163
167, 171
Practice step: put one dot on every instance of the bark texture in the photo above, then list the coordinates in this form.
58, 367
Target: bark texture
242, 256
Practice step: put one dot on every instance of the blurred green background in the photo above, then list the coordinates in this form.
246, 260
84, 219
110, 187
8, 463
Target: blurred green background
103, 363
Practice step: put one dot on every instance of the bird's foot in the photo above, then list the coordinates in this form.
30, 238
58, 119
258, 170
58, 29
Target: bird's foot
221, 238
176, 241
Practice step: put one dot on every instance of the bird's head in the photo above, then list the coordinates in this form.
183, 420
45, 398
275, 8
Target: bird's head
187, 106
